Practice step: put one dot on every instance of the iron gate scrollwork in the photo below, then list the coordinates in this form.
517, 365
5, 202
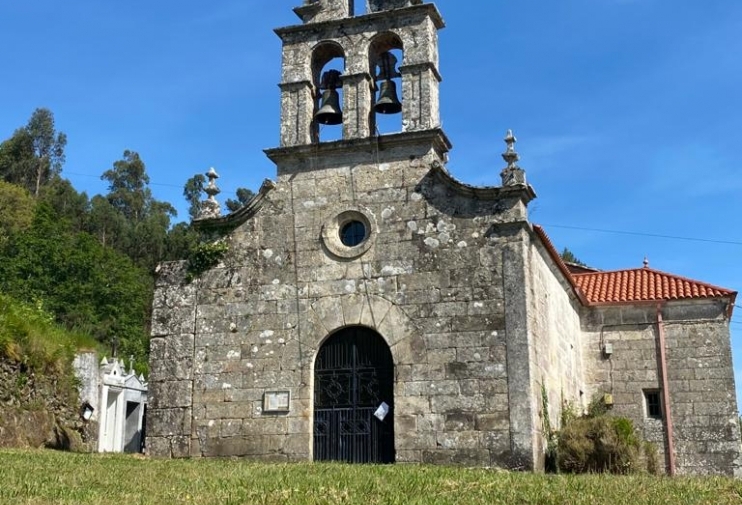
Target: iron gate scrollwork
353, 376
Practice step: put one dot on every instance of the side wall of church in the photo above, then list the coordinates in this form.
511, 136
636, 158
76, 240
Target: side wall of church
556, 337
700, 378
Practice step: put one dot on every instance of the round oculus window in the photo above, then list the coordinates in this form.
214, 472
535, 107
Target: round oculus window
349, 233
353, 233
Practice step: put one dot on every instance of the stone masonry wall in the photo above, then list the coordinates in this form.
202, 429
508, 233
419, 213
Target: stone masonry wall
171, 364
556, 338
431, 284
702, 389
700, 378
631, 369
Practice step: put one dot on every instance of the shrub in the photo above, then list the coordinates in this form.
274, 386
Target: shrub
604, 444
652, 458
203, 257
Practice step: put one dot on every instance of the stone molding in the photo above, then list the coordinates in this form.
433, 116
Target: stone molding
239, 216
333, 313
494, 193
359, 22
343, 148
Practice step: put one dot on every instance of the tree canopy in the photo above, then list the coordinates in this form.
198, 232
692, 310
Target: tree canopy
34, 155
244, 195
569, 257
88, 261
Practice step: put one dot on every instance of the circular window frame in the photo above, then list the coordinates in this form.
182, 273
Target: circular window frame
332, 227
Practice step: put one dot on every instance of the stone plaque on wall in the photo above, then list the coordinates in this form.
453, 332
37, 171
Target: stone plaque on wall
276, 401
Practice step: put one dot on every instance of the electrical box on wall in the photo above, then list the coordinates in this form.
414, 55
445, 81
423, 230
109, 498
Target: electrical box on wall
608, 400
607, 350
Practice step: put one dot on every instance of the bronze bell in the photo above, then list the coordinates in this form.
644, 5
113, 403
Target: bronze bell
388, 102
329, 109
329, 112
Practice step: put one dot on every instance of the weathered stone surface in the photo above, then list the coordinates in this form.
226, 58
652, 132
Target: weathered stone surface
700, 380
170, 394
488, 336
170, 422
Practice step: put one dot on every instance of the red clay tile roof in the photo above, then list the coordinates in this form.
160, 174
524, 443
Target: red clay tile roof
642, 284
634, 285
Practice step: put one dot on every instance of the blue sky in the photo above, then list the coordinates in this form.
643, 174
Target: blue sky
628, 112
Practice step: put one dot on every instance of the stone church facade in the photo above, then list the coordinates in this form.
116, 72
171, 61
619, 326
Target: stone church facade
371, 308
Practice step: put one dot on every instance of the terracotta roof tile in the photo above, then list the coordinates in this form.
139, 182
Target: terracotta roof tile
633, 285
642, 284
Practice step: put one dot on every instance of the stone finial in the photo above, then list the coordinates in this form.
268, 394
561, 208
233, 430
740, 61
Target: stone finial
512, 175
210, 208
646, 262
386, 5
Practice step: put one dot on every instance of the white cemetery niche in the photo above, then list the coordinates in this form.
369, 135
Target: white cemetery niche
123, 397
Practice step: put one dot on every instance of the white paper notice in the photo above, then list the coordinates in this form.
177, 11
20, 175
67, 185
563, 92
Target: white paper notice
382, 411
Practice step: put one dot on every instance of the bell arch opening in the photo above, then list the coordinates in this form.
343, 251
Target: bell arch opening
386, 53
354, 398
328, 66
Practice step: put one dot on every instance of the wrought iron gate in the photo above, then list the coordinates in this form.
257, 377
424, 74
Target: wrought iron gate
353, 377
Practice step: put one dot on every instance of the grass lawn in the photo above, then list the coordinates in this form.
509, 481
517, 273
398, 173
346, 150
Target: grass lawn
45, 477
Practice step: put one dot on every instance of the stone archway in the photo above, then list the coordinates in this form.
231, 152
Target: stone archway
354, 398
327, 316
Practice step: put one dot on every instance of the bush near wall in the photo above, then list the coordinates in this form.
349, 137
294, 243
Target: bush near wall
601, 443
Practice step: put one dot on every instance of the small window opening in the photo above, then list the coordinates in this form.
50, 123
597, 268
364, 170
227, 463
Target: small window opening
353, 233
653, 403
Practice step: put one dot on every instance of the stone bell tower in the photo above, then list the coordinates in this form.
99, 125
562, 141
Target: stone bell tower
352, 97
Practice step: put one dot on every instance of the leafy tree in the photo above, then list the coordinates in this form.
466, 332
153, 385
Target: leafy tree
16, 159
16, 210
34, 155
192, 192
143, 235
127, 190
181, 240
244, 195
569, 257
106, 223
68, 204
88, 287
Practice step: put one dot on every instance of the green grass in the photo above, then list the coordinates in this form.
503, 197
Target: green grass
29, 335
43, 477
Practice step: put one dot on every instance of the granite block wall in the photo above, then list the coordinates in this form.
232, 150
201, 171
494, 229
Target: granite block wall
430, 281
703, 404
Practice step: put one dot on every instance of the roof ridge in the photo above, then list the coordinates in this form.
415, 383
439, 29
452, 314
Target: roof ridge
660, 272
561, 265
632, 285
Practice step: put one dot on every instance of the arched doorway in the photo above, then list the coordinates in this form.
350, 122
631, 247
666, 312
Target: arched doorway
354, 398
